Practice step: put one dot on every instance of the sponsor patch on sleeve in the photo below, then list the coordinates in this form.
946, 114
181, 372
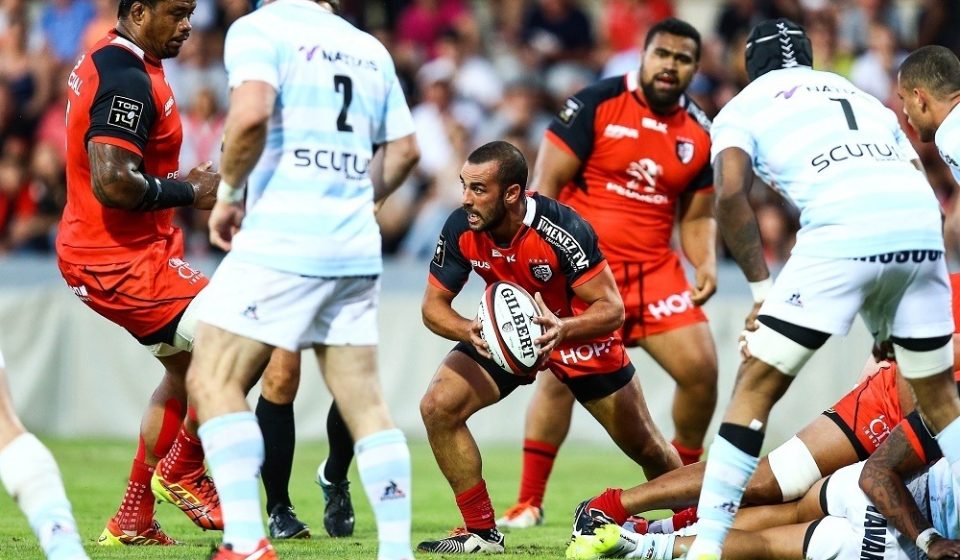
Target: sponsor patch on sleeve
125, 113
439, 252
571, 108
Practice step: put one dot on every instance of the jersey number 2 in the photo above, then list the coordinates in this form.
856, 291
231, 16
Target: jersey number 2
343, 84
847, 112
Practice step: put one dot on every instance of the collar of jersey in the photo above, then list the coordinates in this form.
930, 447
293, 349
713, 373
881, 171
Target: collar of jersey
528, 216
126, 43
952, 120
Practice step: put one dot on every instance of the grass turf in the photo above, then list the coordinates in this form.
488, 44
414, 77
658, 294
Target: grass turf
95, 473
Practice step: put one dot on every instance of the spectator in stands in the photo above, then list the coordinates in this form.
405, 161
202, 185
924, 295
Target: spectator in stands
27, 73
556, 31
875, 71
63, 23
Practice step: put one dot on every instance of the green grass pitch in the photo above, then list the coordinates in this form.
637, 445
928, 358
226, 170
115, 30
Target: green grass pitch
95, 472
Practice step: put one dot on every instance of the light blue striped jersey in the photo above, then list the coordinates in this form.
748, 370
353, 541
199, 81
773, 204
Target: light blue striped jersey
840, 156
310, 197
947, 140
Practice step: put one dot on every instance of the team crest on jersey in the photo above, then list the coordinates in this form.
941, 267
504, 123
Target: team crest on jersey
125, 113
541, 271
684, 150
439, 252
570, 110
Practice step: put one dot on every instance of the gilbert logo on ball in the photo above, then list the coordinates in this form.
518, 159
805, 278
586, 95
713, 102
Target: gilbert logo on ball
506, 318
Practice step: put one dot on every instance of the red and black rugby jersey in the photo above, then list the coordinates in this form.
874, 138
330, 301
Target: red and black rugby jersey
635, 164
117, 94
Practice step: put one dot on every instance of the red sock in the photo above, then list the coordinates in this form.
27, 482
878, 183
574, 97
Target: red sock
185, 457
609, 503
538, 458
172, 419
476, 508
688, 456
136, 510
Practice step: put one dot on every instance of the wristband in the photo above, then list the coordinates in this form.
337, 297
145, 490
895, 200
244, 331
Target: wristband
760, 289
925, 538
226, 193
165, 193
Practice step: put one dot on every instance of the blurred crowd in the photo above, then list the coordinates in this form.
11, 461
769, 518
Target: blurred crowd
473, 71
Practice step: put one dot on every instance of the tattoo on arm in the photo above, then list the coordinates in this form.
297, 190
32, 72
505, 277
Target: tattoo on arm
737, 221
882, 482
114, 176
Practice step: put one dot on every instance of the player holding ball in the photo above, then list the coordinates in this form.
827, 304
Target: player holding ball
504, 233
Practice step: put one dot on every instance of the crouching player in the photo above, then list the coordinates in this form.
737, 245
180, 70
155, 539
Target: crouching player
505, 234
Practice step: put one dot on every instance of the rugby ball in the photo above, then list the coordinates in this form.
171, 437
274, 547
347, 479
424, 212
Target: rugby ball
506, 323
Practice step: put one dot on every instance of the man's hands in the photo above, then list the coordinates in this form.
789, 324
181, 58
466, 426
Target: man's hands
204, 181
224, 223
706, 286
943, 548
477, 339
553, 330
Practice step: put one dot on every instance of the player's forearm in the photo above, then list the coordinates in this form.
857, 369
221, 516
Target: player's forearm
698, 237
444, 321
882, 482
741, 233
117, 182
399, 159
242, 145
601, 319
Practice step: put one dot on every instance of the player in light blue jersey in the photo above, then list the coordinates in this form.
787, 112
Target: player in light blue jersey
319, 131
30, 475
870, 242
929, 85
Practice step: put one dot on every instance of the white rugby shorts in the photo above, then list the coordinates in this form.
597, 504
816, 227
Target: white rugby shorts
288, 310
853, 528
904, 296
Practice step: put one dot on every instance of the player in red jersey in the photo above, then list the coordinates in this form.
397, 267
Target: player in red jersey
630, 154
545, 247
120, 253
849, 431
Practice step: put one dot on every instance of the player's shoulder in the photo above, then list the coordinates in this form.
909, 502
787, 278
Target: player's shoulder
551, 213
602, 90
115, 57
456, 224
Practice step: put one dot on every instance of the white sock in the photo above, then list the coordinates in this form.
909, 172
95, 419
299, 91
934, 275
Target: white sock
233, 445
30, 475
383, 461
654, 547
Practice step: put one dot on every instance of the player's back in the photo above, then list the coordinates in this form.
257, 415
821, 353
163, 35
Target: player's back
840, 156
310, 197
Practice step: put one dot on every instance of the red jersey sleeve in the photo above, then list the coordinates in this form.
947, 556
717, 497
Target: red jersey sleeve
123, 109
573, 127
449, 268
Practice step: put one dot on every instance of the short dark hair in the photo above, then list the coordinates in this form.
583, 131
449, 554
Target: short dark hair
934, 67
512, 165
673, 26
126, 5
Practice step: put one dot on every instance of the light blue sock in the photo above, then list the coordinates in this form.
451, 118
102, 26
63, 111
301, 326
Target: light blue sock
383, 461
728, 470
233, 445
30, 474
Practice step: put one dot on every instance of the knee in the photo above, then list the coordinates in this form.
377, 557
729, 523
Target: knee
280, 384
198, 384
437, 411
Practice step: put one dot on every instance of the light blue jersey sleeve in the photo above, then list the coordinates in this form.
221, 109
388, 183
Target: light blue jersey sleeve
729, 130
397, 121
251, 55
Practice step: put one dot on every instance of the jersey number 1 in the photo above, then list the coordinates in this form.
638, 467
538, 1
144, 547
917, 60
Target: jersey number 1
343, 84
847, 112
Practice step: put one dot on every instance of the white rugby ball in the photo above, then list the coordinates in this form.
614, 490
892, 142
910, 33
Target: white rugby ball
506, 319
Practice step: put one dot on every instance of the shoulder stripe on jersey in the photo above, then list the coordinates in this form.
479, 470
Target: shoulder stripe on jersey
129, 45
632, 80
696, 112
531, 211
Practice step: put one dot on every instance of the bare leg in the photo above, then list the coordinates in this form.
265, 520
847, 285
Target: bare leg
778, 543
695, 371
458, 390
550, 411
625, 416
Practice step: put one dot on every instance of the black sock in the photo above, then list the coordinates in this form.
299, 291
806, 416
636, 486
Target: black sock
341, 447
279, 440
